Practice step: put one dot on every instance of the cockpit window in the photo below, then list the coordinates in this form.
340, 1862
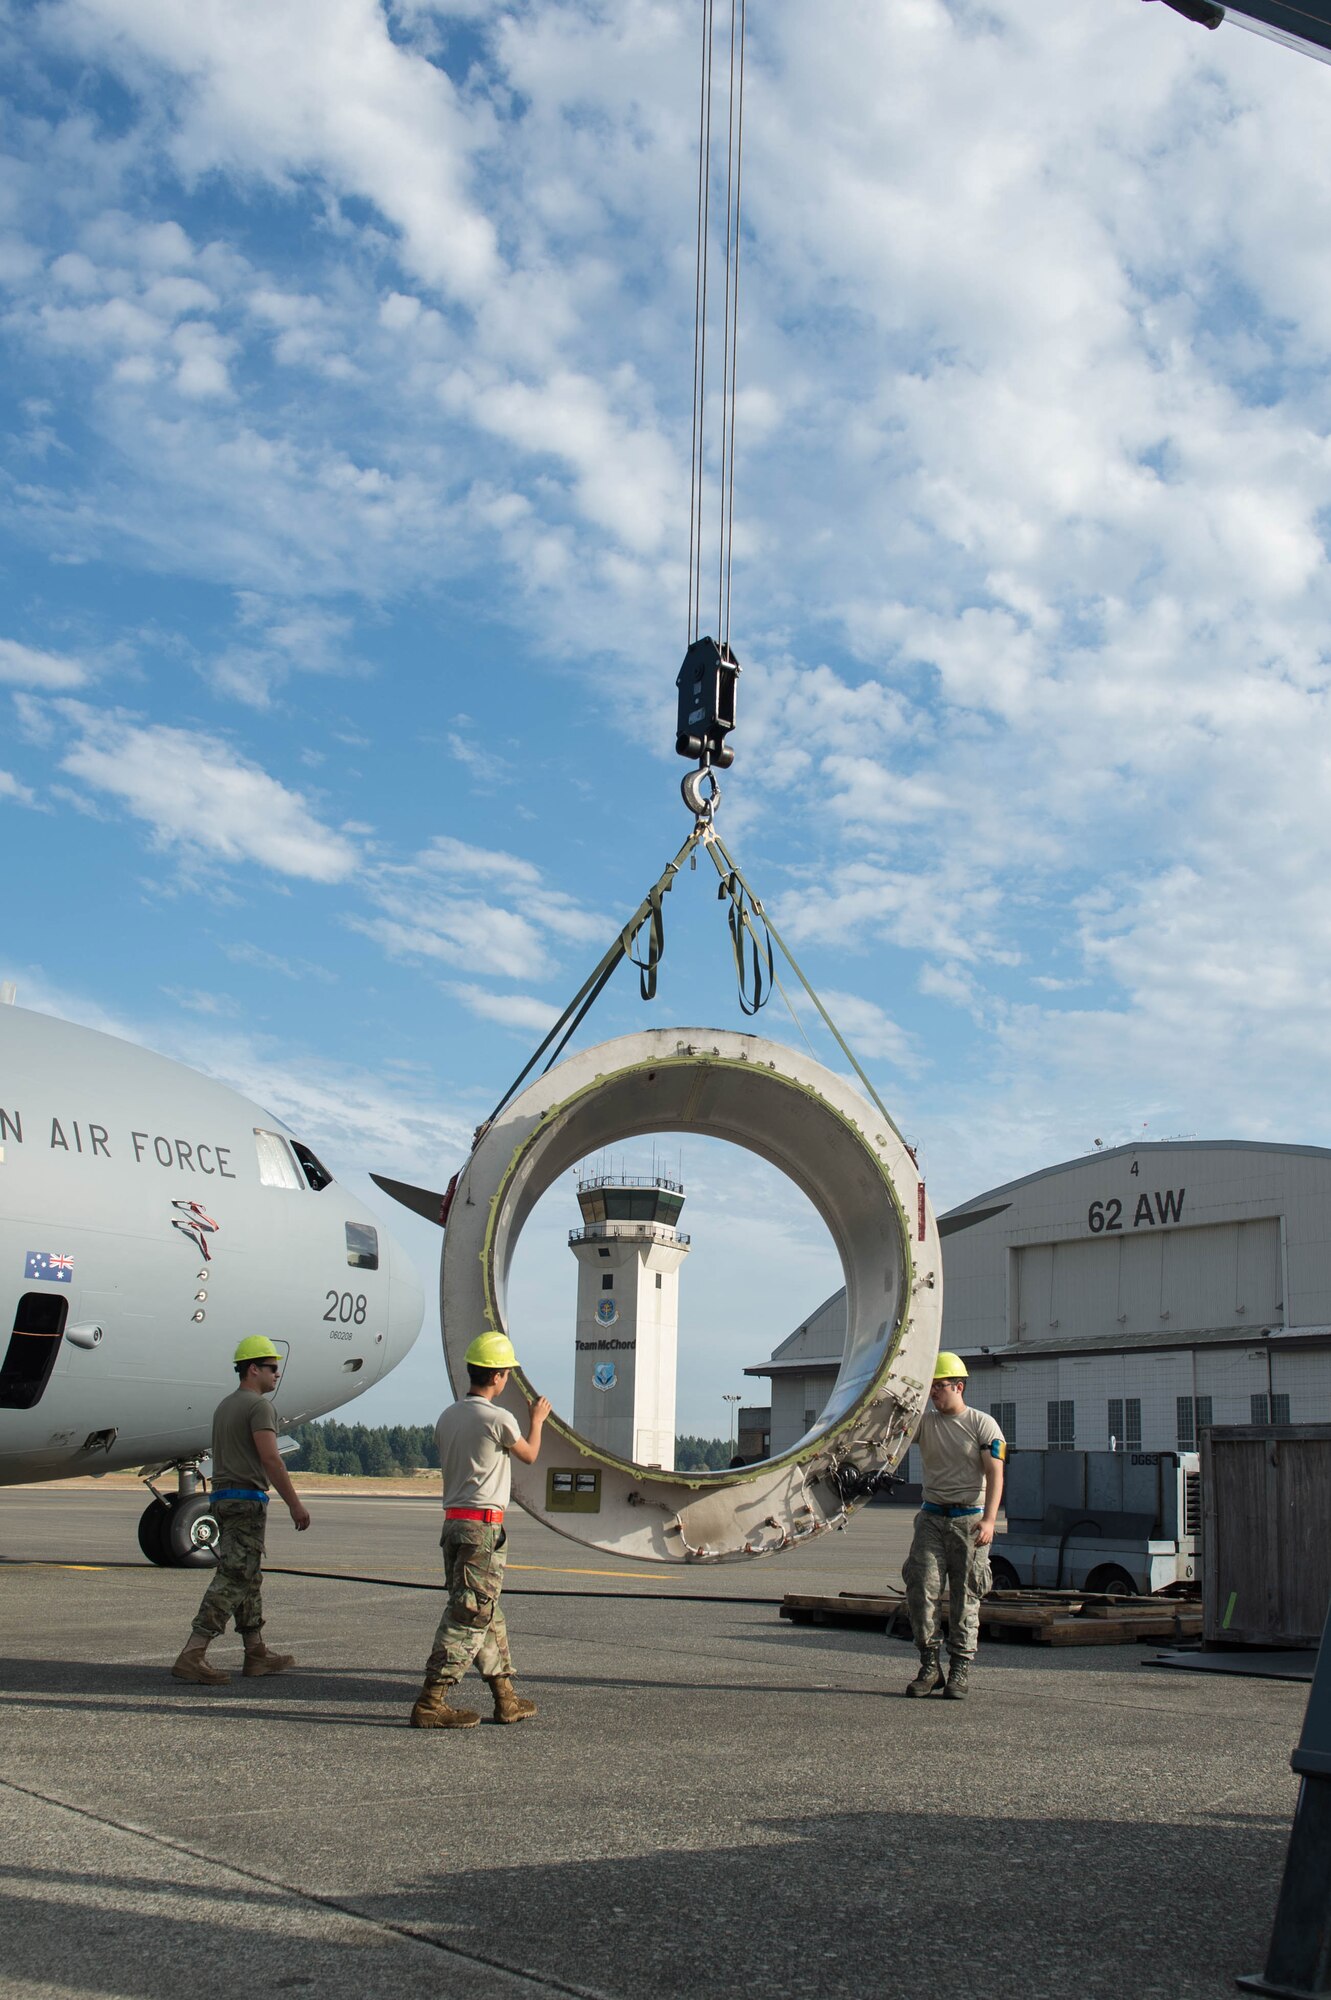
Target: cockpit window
276, 1166
363, 1246
316, 1173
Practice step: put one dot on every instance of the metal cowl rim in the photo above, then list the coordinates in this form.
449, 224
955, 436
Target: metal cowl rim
855, 1168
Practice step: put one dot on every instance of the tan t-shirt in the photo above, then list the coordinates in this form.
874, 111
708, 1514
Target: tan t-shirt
473, 1436
235, 1420
953, 1451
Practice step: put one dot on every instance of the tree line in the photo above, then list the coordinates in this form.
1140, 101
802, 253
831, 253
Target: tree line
387, 1450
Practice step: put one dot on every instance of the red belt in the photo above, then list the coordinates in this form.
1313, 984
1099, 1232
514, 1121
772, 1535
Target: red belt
490, 1515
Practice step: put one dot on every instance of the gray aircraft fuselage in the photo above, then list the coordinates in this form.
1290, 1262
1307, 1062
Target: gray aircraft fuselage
150, 1218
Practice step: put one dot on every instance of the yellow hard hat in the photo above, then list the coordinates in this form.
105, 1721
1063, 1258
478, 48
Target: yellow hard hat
950, 1368
491, 1350
257, 1347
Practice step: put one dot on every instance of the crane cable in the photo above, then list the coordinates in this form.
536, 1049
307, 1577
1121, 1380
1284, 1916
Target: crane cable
729, 319
754, 938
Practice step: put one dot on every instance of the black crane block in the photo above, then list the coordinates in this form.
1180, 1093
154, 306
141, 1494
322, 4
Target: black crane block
706, 683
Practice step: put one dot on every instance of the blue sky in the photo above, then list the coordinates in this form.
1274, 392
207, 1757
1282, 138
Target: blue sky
344, 441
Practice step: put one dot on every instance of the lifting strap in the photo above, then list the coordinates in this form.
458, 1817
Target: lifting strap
752, 937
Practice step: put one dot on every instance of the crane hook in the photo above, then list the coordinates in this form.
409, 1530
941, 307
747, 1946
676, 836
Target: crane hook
702, 806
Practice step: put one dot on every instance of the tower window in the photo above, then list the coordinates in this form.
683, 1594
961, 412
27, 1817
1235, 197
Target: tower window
607, 1281
658, 1281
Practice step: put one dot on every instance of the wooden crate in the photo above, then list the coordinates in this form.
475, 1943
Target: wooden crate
1266, 1533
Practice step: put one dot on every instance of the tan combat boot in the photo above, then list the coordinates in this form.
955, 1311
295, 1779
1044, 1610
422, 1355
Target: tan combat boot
930, 1675
509, 1707
433, 1712
258, 1659
958, 1680
193, 1666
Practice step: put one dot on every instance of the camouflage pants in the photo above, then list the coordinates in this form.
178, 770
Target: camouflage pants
235, 1589
472, 1627
943, 1557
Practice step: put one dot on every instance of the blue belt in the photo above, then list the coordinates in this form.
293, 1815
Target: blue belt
255, 1493
932, 1507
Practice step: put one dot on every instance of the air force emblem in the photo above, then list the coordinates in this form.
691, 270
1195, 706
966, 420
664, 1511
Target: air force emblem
603, 1375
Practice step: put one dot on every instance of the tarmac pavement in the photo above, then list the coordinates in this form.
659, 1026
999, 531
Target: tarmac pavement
709, 1800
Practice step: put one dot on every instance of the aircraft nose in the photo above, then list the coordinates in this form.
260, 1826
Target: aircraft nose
406, 1304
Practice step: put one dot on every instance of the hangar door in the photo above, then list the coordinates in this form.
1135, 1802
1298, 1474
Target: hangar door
1185, 1280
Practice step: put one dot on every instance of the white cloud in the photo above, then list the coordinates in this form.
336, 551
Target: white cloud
199, 796
872, 1033
313, 86
285, 964
13, 789
197, 1000
518, 1011
25, 666
474, 935
457, 859
482, 910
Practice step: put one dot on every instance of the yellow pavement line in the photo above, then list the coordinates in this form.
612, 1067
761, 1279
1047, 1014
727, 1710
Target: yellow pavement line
37, 1563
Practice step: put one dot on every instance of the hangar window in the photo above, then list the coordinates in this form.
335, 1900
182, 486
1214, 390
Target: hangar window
1194, 1415
1005, 1416
1276, 1411
34, 1343
276, 1166
1062, 1426
1125, 1423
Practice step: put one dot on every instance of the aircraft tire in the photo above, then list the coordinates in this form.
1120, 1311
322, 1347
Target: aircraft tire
153, 1524
190, 1533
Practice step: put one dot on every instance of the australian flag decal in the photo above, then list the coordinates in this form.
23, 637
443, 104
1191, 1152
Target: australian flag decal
48, 1264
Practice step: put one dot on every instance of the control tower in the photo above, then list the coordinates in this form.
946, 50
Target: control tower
629, 1253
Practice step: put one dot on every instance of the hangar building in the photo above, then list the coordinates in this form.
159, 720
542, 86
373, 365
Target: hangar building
1127, 1298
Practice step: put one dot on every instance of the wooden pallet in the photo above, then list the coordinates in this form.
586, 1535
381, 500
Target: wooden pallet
1045, 1618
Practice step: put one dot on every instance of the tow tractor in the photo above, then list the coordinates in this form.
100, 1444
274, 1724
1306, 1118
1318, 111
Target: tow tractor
1100, 1521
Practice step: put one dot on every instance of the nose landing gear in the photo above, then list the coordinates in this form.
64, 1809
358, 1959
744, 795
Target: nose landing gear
178, 1531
